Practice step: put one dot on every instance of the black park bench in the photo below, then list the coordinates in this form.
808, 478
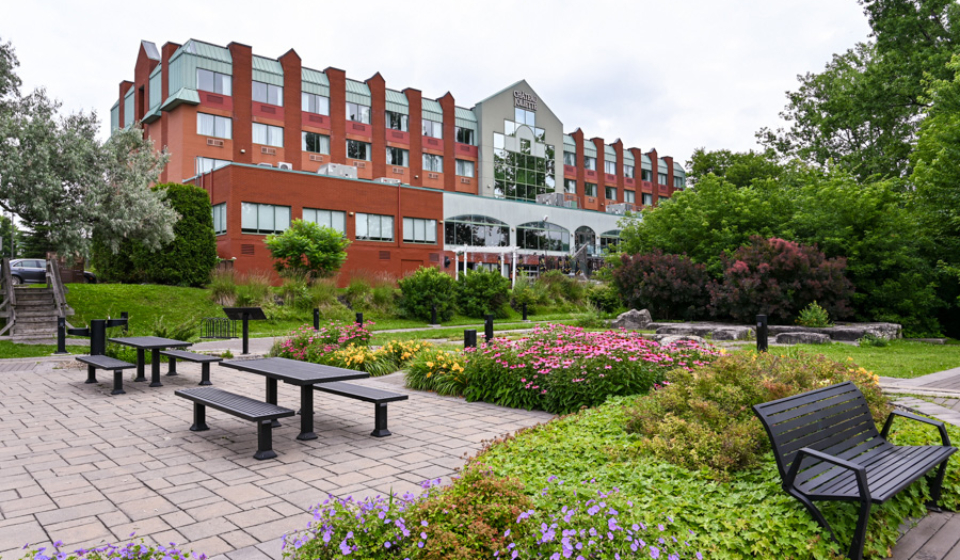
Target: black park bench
106, 362
827, 448
378, 397
242, 407
202, 359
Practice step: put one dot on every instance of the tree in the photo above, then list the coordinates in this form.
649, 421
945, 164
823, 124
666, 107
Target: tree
739, 168
308, 249
54, 171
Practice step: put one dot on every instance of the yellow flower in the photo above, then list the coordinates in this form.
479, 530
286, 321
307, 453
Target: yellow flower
430, 364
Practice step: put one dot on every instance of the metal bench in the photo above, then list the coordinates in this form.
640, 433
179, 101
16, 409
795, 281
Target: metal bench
827, 448
202, 359
376, 396
243, 407
106, 362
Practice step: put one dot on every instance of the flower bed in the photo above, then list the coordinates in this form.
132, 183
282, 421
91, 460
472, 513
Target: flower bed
561, 369
130, 551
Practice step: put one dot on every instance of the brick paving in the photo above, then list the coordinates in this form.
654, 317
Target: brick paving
85, 467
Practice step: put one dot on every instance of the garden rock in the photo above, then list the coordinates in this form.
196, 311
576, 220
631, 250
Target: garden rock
802, 338
674, 338
633, 320
848, 332
717, 331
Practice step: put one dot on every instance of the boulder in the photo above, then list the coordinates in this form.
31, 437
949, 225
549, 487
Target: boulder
844, 332
674, 338
717, 331
633, 320
802, 338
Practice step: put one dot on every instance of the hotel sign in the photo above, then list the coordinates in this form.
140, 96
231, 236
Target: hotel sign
524, 100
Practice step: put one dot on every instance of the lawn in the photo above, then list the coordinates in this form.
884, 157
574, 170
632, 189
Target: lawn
10, 350
901, 358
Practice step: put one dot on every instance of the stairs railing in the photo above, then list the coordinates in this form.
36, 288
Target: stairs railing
9, 303
59, 290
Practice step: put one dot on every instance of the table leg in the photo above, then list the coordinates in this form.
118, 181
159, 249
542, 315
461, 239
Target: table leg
306, 413
141, 361
173, 366
272, 397
155, 368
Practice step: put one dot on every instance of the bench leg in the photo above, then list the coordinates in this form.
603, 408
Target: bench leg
199, 418
205, 374
860, 536
272, 397
141, 360
118, 383
173, 367
936, 488
91, 375
264, 441
380, 421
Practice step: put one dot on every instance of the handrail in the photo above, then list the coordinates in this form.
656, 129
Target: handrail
55, 282
10, 295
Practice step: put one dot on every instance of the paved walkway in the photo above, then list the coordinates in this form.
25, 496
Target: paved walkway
84, 467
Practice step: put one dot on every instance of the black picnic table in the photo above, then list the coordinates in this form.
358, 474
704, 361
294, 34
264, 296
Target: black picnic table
301, 374
155, 344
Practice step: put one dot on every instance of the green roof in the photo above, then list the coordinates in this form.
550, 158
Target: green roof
358, 88
206, 50
314, 76
184, 95
465, 114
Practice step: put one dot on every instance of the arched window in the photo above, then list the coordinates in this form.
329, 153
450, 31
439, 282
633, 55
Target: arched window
543, 236
476, 231
610, 240
585, 236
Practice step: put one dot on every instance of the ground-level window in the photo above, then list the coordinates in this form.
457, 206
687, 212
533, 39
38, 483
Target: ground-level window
476, 231
315, 143
417, 230
220, 218
329, 218
374, 227
358, 150
610, 240
464, 168
263, 218
543, 236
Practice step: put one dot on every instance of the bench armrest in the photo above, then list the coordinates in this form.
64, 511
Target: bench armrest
858, 470
943, 430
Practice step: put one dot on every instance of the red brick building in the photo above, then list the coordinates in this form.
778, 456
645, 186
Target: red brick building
410, 180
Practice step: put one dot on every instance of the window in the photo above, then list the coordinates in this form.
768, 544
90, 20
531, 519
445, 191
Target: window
628, 171
398, 156
397, 121
610, 167
358, 150
611, 193
268, 93
313, 103
570, 158
584, 235
213, 81
522, 116
678, 182
374, 227
525, 170
214, 125
590, 163
570, 185
476, 231
432, 129
329, 218
267, 135
206, 165
629, 196
609, 240
416, 230
590, 189
464, 168
646, 175
543, 236
466, 136
647, 199
433, 163
663, 178
315, 143
263, 218
358, 113
220, 218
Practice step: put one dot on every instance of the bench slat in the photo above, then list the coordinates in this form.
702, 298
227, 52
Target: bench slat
105, 362
359, 392
237, 405
190, 356
840, 391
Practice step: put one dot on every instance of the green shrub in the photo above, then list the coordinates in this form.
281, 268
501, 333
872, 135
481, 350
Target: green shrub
873, 341
425, 288
814, 316
186, 331
308, 250
604, 297
357, 293
483, 291
223, 287
185, 261
558, 287
253, 290
703, 419
525, 292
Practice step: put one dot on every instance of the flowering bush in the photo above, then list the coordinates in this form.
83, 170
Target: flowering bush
484, 516
310, 345
403, 351
437, 370
704, 419
561, 369
129, 551
670, 286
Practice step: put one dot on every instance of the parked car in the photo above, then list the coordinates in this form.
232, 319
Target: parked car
34, 271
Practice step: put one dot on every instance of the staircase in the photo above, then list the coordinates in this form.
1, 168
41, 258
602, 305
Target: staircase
31, 313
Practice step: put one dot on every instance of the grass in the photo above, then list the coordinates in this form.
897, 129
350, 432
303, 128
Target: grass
10, 350
901, 358
147, 304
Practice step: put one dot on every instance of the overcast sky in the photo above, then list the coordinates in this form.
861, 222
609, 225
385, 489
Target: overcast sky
670, 74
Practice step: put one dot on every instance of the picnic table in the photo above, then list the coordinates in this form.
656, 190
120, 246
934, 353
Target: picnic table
301, 374
155, 344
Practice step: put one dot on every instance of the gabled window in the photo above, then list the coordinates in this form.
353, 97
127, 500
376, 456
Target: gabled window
398, 121
432, 129
358, 113
466, 136
590, 163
